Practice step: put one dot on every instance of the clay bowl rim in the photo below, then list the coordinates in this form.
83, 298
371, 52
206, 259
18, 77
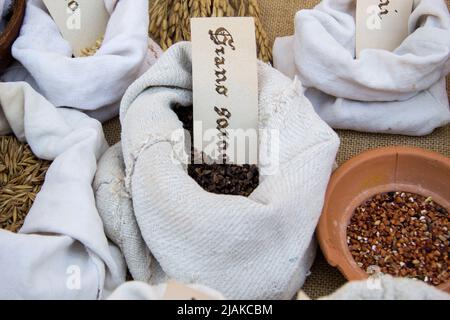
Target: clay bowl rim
334, 255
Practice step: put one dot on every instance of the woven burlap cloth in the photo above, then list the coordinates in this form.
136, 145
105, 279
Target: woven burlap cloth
278, 19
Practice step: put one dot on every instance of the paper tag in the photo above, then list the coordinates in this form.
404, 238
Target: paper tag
381, 24
225, 85
81, 22
179, 291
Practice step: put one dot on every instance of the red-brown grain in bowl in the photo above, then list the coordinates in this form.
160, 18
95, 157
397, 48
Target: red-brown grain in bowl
373, 172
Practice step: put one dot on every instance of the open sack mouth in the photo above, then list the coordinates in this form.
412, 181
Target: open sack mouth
161, 192
227, 179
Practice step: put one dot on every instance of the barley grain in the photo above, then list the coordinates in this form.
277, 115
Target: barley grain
21, 178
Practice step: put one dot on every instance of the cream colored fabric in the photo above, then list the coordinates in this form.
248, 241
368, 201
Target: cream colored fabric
115, 205
258, 247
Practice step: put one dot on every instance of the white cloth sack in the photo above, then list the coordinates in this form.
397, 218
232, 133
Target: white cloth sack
136, 290
259, 247
388, 288
95, 84
400, 92
61, 252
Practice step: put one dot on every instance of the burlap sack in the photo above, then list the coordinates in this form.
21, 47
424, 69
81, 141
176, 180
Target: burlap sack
247, 248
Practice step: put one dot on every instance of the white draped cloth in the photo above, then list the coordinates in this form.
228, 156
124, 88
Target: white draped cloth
93, 84
61, 252
399, 92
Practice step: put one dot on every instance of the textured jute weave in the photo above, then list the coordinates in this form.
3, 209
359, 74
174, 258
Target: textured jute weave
278, 19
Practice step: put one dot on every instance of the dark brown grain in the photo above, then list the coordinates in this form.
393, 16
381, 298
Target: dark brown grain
219, 178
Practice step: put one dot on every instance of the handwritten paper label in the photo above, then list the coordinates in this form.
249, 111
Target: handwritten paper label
81, 22
225, 85
179, 291
381, 24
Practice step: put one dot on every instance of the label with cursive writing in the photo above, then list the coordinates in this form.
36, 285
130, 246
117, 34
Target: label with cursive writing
225, 89
81, 22
381, 24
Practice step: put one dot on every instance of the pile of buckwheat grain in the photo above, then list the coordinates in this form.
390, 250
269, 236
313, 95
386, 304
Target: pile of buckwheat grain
404, 234
226, 179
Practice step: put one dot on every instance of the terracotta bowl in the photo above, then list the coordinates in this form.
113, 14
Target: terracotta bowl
11, 32
383, 170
